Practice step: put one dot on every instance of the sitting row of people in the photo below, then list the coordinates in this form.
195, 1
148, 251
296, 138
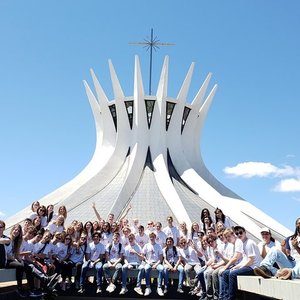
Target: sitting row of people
209, 264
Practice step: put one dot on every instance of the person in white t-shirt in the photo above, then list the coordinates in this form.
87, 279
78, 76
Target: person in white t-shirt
133, 258
141, 237
251, 259
160, 235
114, 256
95, 254
153, 260
172, 231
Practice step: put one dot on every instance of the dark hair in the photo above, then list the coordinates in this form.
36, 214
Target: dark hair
222, 218
202, 214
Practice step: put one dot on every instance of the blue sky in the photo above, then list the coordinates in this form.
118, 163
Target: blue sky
250, 140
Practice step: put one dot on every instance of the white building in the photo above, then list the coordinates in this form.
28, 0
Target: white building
148, 156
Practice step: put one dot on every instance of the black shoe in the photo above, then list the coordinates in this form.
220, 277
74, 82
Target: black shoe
22, 293
263, 272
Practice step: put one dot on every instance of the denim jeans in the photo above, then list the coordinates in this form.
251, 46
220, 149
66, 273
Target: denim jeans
180, 271
276, 256
87, 265
116, 274
229, 282
125, 272
148, 269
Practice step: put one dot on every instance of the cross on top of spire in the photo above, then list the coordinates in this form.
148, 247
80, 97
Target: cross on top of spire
150, 44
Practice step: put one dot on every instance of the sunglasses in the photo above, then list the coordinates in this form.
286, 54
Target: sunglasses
239, 232
67, 239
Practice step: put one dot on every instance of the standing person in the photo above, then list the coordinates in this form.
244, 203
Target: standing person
133, 258
62, 211
56, 225
106, 235
114, 256
245, 267
219, 216
42, 213
183, 231
153, 260
141, 237
49, 212
195, 228
95, 254
150, 227
172, 263
88, 230
34, 207
160, 235
171, 230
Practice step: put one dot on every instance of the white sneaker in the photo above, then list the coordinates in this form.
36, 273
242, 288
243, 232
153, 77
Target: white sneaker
98, 290
165, 290
147, 292
159, 292
123, 291
138, 290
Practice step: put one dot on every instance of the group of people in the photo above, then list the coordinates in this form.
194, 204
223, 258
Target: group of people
207, 258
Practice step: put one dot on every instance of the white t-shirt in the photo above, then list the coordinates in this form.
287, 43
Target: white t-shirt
152, 253
189, 255
170, 255
106, 238
272, 244
95, 250
77, 254
130, 254
160, 238
251, 250
61, 251
172, 232
141, 240
294, 252
238, 247
114, 251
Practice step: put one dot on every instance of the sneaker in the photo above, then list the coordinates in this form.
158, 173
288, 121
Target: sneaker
284, 274
263, 272
159, 291
138, 290
111, 287
180, 290
99, 291
81, 290
35, 294
165, 290
123, 291
147, 292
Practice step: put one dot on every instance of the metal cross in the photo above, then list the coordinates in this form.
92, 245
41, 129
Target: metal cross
151, 44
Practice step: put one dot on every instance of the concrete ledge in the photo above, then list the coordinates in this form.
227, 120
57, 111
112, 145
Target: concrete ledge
273, 288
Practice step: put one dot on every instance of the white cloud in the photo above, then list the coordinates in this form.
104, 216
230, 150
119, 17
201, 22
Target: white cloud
2, 214
251, 169
288, 185
261, 169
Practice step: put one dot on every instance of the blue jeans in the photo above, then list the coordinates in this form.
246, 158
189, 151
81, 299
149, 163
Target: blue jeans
180, 271
125, 272
229, 282
116, 274
276, 256
148, 269
87, 265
